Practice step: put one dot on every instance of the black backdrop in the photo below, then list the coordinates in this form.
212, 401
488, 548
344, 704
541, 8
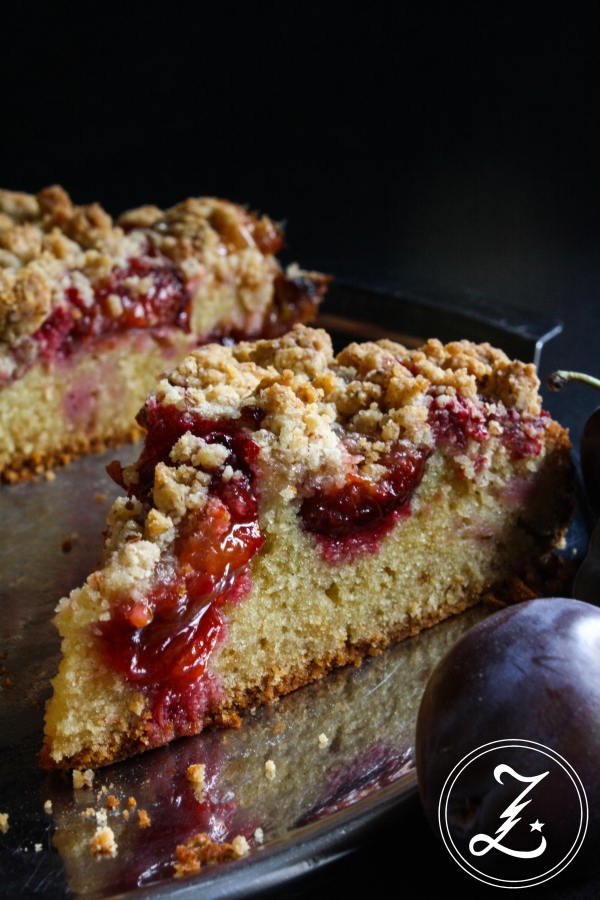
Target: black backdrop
454, 141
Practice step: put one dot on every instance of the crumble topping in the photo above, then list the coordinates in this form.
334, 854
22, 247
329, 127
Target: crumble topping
325, 417
240, 846
69, 273
196, 774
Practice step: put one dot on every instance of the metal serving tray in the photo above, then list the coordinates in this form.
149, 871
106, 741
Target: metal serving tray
323, 799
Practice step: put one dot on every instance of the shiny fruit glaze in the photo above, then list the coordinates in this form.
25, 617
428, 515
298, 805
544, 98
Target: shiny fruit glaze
353, 520
146, 293
162, 644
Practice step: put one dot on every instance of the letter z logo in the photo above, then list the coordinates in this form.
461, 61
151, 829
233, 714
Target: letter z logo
484, 790
510, 814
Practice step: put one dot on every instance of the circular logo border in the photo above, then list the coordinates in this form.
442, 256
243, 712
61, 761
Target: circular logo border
468, 867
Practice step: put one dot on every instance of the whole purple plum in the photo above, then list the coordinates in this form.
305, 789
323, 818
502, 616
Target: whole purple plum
530, 672
589, 451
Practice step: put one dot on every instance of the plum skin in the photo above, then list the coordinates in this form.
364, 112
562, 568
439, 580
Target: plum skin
589, 451
531, 671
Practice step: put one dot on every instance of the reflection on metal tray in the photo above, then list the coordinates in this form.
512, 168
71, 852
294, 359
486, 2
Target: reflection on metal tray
323, 798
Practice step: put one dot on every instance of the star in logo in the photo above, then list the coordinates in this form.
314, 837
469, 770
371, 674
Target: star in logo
537, 825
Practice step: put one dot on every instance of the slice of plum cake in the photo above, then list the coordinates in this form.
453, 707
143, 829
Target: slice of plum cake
92, 312
291, 512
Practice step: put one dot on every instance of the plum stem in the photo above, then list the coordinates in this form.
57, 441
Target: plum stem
560, 378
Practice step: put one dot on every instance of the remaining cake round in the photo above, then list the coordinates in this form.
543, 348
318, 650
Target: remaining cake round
92, 313
292, 512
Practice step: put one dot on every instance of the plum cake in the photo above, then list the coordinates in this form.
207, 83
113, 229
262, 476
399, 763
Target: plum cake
92, 313
290, 512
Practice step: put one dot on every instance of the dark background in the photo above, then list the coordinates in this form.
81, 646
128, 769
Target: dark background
452, 141
456, 142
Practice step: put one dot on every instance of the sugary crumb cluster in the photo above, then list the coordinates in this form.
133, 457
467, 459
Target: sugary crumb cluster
202, 850
196, 773
103, 842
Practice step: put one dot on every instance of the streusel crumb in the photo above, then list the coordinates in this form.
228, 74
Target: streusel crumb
195, 773
4, 826
202, 850
83, 779
103, 843
101, 816
240, 846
